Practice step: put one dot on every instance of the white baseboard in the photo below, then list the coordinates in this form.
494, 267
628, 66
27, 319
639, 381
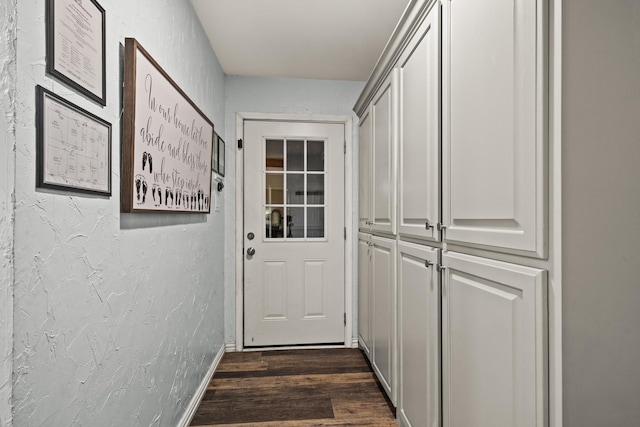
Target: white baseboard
230, 347
197, 397
355, 343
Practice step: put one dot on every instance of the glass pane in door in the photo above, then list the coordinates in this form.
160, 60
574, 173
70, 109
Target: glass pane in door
295, 223
295, 155
274, 189
315, 222
274, 155
315, 156
295, 189
315, 189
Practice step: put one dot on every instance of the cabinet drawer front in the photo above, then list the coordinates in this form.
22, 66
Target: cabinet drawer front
494, 339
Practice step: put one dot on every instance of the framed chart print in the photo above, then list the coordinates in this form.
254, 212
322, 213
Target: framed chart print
167, 141
76, 43
73, 146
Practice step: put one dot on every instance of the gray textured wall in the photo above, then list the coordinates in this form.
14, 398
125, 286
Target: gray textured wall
601, 213
118, 317
278, 95
7, 176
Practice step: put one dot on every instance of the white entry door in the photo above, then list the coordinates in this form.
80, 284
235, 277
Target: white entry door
293, 233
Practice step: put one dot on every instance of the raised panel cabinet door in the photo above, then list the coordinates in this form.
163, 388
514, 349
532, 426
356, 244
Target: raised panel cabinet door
364, 292
364, 171
418, 336
419, 140
494, 124
494, 343
384, 110
384, 313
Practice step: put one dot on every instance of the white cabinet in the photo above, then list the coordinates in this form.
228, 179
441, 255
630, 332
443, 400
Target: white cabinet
383, 195
384, 313
418, 336
494, 125
494, 335
419, 125
364, 171
364, 292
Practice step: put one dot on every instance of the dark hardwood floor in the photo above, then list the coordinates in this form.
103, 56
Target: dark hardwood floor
327, 387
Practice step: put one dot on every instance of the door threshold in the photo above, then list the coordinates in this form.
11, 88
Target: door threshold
294, 347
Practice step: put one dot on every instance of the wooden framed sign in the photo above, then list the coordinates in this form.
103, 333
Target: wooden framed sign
167, 141
76, 46
73, 146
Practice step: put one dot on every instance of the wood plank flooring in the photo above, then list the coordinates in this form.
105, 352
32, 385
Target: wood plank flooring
305, 388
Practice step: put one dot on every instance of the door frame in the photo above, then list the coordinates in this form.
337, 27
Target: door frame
347, 121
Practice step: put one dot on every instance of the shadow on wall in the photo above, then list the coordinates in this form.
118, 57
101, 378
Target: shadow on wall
130, 221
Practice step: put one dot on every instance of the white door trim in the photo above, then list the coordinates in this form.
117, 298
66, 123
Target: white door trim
348, 212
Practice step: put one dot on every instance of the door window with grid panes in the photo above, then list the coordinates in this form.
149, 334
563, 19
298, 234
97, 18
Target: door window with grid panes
294, 180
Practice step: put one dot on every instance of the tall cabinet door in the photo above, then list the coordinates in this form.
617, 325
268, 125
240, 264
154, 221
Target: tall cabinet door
494, 336
419, 139
364, 171
384, 156
494, 122
364, 292
418, 336
384, 313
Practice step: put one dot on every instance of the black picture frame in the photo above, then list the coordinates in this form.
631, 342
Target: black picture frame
61, 128
214, 161
61, 69
221, 157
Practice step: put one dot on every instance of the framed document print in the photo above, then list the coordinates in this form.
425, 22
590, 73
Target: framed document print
76, 46
167, 141
73, 146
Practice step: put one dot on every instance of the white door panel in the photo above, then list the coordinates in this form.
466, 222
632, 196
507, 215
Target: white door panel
419, 141
294, 206
364, 292
494, 337
364, 171
494, 140
418, 336
384, 313
384, 110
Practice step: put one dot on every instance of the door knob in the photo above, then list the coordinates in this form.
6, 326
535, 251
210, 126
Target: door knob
251, 252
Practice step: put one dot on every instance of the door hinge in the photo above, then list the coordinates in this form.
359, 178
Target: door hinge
345, 319
345, 233
240, 144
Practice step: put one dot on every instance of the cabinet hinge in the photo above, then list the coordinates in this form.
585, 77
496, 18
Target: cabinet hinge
240, 144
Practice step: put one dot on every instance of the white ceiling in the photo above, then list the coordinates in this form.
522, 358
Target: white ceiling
317, 39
